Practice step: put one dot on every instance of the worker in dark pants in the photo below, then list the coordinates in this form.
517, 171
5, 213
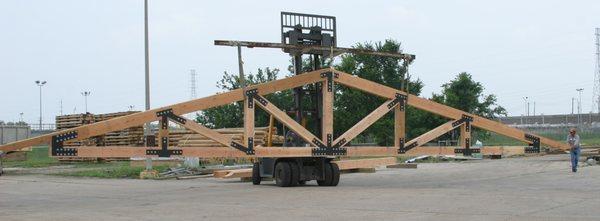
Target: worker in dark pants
573, 140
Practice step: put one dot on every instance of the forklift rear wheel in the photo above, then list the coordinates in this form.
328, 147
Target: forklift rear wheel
256, 174
332, 175
295, 173
283, 174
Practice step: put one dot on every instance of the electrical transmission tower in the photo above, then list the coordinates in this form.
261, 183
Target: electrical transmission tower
596, 97
193, 84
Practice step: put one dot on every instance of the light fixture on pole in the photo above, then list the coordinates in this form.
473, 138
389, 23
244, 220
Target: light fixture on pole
526, 99
40, 84
85, 95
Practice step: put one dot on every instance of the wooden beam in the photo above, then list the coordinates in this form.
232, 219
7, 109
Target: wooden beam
432, 134
440, 109
327, 105
249, 122
465, 136
136, 119
208, 152
270, 131
363, 124
287, 121
365, 163
399, 125
204, 131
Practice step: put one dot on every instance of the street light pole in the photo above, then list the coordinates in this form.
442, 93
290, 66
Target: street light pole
579, 106
40, 84
147, 130
527, 106
85, 95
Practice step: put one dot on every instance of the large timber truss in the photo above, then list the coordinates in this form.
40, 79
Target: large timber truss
253, 96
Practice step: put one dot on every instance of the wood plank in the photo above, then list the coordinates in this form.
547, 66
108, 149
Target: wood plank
288, 121
248, 121
399, 125
208, 152
365, 163
327, 118
432, 134
464, 135
363, 124
204, 131
140, 118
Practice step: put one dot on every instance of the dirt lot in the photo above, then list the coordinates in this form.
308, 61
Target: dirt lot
535, 188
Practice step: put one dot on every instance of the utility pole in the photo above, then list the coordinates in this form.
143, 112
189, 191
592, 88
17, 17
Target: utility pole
572, 105
147, 130
579, 106
596, 95
21, 117
85, 95
40, 84
61, 107
534, 108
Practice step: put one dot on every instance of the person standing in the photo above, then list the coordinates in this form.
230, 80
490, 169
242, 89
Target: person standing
573, 140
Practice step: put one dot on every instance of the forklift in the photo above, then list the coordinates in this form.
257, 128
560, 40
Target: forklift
314, 36
303, 30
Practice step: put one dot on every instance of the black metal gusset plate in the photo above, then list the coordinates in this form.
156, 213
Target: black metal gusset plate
400, 100
168, 113
406, 148
329, 76
57, 148
248, 151
333, 151
164, 153
534, 146
401, 149
467, 151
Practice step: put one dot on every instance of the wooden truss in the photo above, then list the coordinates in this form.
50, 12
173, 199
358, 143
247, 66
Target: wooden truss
319, 146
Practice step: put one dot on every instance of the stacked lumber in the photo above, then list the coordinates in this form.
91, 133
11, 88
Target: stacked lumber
186, 138
75, 120
132, 136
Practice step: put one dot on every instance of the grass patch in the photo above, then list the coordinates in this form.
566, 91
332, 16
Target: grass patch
37, 157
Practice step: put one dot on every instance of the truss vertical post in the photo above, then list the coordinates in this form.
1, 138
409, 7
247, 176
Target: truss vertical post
465, 138
327, 90
248, 139
163, 133
399, 127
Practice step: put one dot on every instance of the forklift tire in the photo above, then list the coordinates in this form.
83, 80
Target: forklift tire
256, 174
295, 173
283, 174
335, 175
328, 176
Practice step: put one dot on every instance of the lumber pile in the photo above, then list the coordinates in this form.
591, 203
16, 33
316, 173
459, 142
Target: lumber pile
186, 138
132, 136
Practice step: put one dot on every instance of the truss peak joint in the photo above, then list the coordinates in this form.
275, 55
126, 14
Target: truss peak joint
329, 81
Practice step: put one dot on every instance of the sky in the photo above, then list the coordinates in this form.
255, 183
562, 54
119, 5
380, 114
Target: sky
542, 50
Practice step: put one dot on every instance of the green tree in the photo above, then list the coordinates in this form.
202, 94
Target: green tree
231, 115
466, 94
